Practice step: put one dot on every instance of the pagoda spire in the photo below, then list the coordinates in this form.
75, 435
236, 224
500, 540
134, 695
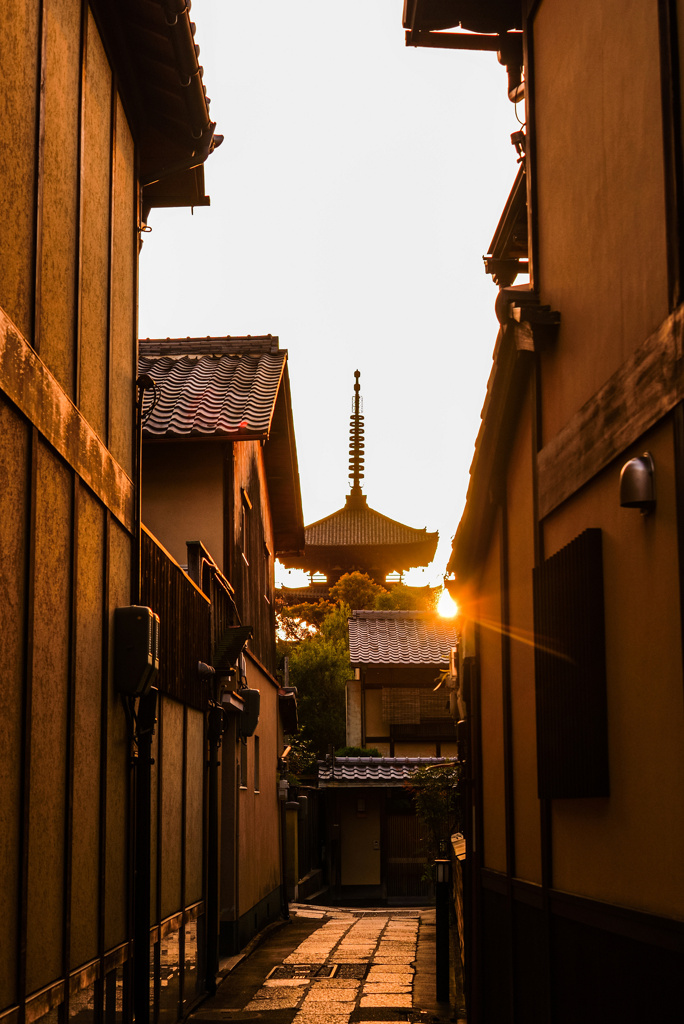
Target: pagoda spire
356, 498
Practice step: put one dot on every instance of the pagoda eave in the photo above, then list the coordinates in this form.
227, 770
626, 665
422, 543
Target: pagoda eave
363, 557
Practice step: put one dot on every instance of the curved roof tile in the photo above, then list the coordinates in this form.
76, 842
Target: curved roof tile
400, 638
373, 771
213, 395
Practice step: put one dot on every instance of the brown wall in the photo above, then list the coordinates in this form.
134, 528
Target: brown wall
68, 207
259, 811
183, 495
601, 191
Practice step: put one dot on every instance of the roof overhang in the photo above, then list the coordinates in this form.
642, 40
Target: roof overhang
274, 427
151, 45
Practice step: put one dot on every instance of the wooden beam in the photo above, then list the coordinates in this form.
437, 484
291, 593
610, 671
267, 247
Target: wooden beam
28, 383
456, 40
150, 348
643, 390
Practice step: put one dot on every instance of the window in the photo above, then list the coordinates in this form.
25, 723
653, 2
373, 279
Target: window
570, 671
256, 764
243, 764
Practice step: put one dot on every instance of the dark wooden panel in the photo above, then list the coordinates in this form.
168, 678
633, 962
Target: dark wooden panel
636, 396
570, 672
184, 614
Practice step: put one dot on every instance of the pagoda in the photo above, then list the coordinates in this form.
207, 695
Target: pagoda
356, 538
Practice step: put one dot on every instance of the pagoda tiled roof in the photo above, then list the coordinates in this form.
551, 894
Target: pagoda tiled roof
361, 525
372, 771
400, 638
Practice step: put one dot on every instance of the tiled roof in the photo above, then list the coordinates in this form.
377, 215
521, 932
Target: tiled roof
358, 537
362, 525
400, 638
372, 771
209, 395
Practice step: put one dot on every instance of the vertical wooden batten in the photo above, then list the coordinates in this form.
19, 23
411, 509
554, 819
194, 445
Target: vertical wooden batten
39, 169
69, 751
29, 608
80, 179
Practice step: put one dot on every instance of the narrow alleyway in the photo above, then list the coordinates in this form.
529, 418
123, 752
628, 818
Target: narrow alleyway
331, 966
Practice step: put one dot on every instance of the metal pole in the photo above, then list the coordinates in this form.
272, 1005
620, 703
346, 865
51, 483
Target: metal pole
442, 930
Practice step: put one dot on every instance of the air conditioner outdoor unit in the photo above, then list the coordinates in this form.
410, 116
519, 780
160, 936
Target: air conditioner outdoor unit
136, 650
249, 718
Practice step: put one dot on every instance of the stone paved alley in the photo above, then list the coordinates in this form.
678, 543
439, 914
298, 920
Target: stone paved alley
330, 966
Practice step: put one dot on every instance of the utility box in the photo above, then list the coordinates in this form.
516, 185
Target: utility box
249, 719
136, 650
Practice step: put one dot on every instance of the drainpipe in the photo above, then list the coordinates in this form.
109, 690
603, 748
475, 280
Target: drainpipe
215, 732
147, 716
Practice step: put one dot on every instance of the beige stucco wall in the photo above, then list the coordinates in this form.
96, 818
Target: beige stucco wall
627, 848
259, 812
183, 495
375, 724
600, 186
521, 632
487, 612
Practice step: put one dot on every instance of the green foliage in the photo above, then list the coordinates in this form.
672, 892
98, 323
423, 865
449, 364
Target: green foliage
301, 760
297, 622
319, 668
403, 598
436, 801
357, 752
357, 590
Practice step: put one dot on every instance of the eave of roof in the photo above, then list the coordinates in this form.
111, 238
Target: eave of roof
221, 393
353, 772
400, 638
472, 15
505, 389
151, 45
357, 534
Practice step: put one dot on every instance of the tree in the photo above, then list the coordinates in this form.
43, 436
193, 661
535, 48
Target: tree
357, 590
319, 668
402, 598
435, 795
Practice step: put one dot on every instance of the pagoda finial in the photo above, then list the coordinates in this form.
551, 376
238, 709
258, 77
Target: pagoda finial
356, 445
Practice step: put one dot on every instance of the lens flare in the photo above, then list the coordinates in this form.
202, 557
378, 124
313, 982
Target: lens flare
446, 606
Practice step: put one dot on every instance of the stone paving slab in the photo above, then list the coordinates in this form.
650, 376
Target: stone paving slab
385, 954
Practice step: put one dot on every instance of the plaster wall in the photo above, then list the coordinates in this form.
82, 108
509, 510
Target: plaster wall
259, 811
487, 612
415, 748
354, 737
375, 724
627, 848
521, 631
183, 496
600, 186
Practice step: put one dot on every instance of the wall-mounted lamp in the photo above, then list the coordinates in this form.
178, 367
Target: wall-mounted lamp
442, 870
637, 488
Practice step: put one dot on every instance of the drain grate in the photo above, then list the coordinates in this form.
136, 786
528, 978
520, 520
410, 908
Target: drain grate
288, 971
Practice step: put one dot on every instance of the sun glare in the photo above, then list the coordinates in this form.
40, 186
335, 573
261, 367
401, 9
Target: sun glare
446, 606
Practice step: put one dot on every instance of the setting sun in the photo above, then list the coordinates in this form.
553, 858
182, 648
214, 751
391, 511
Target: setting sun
446, 606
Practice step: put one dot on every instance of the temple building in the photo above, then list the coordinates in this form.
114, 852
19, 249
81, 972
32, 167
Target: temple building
356, 538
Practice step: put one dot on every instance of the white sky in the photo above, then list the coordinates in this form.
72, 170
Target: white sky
358, 186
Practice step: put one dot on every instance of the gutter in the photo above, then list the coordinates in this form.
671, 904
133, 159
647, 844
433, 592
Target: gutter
181, 31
